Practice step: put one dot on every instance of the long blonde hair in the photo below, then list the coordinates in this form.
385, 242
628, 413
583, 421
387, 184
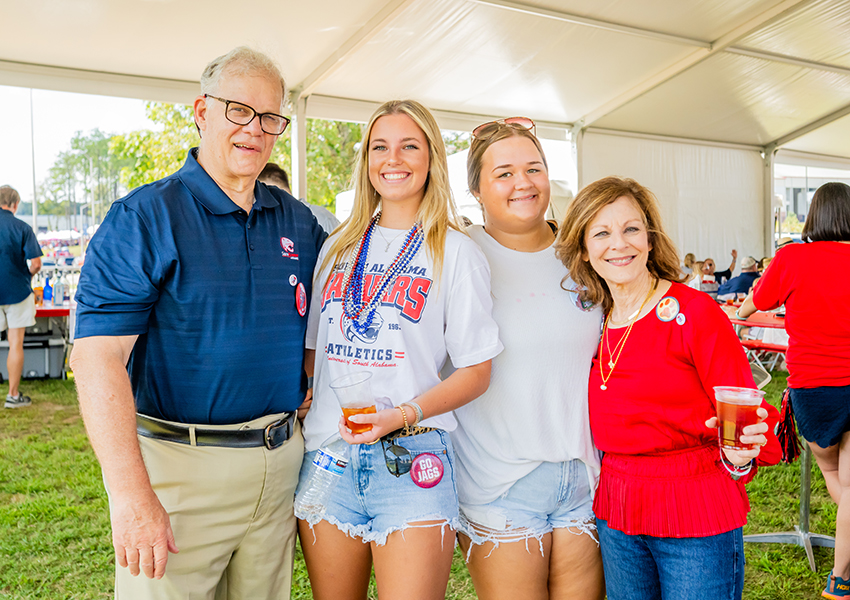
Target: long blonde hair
437, 212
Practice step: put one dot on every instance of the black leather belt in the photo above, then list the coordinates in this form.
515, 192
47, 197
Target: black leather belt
271, 436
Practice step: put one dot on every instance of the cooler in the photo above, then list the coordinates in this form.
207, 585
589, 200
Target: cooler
43, 357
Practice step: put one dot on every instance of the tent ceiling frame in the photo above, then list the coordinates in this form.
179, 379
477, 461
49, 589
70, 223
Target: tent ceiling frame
791, 60
590, 22
747, 26
817, 124
373, 27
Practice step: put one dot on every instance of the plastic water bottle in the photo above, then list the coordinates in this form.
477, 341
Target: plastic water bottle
325, 473
47, 293
58, 291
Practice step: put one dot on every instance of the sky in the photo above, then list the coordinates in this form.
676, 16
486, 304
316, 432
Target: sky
57, 118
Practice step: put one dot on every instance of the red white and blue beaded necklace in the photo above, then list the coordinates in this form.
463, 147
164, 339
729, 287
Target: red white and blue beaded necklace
355, 303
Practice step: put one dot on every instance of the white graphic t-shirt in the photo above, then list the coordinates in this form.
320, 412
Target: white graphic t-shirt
419, 323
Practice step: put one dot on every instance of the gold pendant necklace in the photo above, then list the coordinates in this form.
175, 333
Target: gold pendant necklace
614, 357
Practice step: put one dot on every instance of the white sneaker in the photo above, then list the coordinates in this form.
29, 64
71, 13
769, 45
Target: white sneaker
18, 401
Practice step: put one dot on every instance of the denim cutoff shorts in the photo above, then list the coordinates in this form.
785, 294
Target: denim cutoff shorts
369, 502
554, 495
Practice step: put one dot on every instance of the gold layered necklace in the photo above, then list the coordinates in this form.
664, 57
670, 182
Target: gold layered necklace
614, 357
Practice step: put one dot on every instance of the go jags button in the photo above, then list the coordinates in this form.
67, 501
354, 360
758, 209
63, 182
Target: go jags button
301, 299
426, 470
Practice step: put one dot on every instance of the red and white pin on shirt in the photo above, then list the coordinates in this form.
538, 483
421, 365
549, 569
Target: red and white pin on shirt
426, 470
301, 299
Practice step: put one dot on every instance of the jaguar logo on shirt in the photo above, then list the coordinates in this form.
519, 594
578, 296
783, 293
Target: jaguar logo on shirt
369, 336
288, 247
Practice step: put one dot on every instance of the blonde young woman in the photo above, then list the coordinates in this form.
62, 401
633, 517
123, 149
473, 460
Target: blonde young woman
527, 466
398, 291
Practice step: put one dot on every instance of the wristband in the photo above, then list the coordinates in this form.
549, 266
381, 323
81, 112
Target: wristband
310, 382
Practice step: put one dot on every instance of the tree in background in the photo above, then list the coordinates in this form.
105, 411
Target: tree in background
82, 178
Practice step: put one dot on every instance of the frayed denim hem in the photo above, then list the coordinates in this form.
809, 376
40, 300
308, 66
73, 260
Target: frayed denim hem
380, 537
479, 535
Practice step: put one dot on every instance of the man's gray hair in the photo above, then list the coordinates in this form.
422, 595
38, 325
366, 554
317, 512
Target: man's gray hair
9, 196
241, 61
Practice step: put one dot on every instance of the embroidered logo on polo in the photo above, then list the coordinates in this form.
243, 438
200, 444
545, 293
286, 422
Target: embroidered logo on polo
288, 247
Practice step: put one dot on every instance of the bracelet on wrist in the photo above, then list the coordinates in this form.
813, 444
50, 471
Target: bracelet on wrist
418, 409
404, 417
735, 472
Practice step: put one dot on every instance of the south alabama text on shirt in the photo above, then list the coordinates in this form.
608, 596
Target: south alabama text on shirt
408, 294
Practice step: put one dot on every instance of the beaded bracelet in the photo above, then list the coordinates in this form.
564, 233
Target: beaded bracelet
419, 414
404, 417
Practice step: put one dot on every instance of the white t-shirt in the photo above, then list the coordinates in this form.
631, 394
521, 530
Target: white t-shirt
536, 408
419, 323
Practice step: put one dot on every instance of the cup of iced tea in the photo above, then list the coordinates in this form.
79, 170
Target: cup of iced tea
736, 408
355, 398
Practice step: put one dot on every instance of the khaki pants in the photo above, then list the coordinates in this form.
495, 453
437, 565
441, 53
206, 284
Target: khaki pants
232, 517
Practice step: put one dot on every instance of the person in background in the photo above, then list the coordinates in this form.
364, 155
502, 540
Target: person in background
526, 463
273, 174
708, 267
17, 302
694, 280
816, 296
189, 355
743, 282
671, 503
688, 264
398, 291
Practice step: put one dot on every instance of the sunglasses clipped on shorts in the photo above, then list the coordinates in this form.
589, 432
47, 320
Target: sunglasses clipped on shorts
486, 129
397, 457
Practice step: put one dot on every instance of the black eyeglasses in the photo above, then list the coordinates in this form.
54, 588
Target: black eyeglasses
491, 126
242, 114
398, 458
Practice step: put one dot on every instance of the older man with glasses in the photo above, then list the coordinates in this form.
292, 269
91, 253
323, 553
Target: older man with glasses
189, 355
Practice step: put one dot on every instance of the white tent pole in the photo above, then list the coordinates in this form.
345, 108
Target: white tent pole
768, 227
577, 140
34, 190
299, 145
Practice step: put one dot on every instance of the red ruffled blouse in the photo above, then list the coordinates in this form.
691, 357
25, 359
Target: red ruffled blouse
661, 472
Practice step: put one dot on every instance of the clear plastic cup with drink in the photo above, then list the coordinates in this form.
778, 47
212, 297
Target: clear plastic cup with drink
355, 398
736, 409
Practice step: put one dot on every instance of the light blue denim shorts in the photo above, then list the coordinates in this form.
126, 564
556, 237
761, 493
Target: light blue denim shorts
554, 495
369, 502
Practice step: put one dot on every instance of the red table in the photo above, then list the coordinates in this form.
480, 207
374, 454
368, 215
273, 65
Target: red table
52, 311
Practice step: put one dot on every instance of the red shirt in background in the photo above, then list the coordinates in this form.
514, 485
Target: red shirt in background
811, 281
661, 474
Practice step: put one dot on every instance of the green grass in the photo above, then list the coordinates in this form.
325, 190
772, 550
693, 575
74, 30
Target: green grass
54, 523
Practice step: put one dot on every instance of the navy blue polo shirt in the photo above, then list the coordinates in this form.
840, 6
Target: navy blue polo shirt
210, 290
740, 284
17, 244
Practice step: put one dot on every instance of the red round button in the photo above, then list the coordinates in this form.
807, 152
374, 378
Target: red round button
426, 470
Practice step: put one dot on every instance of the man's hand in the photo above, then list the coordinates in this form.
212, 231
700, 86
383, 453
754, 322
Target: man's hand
305, 406
141, 535
734, 254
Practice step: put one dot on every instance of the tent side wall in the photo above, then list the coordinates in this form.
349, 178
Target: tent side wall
711, 197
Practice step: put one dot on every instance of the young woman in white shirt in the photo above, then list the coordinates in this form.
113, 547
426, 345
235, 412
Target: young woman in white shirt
398, 290
527, 467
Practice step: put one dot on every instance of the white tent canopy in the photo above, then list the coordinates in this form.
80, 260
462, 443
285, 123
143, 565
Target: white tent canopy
740, 75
